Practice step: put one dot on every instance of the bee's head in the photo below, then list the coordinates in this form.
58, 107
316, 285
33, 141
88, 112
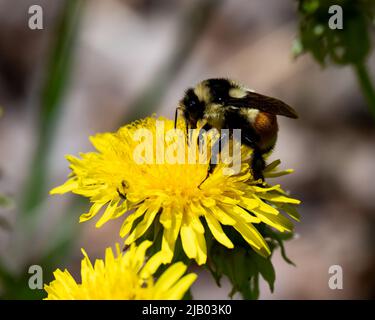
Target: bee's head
192, 106
206, 94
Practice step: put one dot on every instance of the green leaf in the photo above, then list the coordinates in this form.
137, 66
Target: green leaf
279, 238
339, 46
241, 268
348, 46
242, 265
266, 269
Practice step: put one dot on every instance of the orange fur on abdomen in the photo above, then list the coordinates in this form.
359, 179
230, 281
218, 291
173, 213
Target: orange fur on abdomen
266, 126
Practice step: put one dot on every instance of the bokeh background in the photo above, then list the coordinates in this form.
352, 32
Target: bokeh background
99, 64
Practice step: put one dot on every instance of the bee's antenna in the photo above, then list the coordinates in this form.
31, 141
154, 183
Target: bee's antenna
175, 117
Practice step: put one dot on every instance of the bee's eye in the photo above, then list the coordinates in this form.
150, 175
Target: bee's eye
191, 100
192, 103
220, 99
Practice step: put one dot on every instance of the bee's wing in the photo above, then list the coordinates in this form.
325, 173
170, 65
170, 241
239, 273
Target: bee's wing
266, 104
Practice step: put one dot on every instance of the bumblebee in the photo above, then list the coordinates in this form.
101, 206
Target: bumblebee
225, 104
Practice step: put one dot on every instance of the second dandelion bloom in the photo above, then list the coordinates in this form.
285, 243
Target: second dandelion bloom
124, 276
130, 173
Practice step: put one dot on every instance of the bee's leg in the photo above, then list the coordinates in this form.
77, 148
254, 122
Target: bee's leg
206, 128
216, 150
186, 124
257, 164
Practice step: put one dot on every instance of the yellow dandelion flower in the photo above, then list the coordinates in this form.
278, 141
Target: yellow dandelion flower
125, 277
182, 196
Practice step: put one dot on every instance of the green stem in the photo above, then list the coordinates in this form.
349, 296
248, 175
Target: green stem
14, 285
366, 85
57, 75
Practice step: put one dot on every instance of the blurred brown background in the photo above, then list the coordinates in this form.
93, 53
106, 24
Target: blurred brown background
130, 58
